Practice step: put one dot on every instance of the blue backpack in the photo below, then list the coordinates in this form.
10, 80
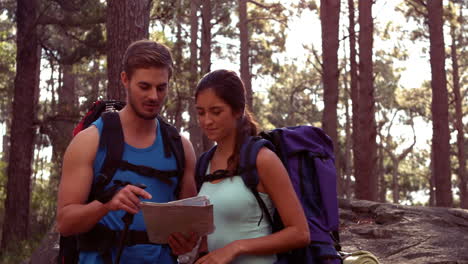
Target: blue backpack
307, 154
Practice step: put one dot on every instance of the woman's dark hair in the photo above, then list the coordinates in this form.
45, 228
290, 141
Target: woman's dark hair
229, 87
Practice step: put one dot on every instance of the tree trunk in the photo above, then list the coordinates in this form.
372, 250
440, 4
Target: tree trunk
175, 93
329, 17
381, 176
432, 199
244, 52
127, 21
16, 221
206, 37
439, 107
395, 186
354, 85
59, 127
462, 185
206, 52
348, 146
196, 136
365, 168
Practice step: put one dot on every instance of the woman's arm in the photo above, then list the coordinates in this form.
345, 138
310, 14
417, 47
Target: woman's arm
274, 180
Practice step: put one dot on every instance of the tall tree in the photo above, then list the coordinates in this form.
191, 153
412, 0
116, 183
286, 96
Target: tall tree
206, 37
127, 21
330, 18
353, 75
16, 222
366, 156
396, 159
194, 129
461, 154
439, 107
345, 184
244, 51
206, 51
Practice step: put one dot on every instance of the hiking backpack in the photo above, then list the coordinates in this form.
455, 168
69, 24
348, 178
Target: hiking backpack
112, 139
307, 154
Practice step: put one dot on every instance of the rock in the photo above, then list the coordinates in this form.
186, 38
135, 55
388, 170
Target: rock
396, 234
405, 234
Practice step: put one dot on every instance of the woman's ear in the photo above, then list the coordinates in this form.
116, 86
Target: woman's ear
239, 114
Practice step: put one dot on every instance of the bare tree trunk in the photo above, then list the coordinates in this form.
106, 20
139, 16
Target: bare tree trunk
176, 94
396, 160
432, 194
440, 127
329, 17
381, 176
462, 182
206, 52
244, 52
194, 129
366, 181
348, 146
354, 86
16, 222
59, 126
127, 21
395, 186
206, 37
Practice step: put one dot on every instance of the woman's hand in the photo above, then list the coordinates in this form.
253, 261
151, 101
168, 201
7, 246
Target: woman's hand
222, 255
181, 244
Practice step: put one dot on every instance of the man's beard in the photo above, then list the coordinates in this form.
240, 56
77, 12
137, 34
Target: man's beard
140, 114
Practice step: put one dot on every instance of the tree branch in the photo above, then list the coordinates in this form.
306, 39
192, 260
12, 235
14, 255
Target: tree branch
263, 5
416, 8
48, 20
281, 21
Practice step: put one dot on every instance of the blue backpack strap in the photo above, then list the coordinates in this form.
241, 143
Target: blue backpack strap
173, 145
112, 138
248, 169
202, 166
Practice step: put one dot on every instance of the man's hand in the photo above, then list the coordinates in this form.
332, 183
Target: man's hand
127, 199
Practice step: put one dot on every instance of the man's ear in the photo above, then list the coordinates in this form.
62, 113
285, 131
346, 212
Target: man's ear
124, 78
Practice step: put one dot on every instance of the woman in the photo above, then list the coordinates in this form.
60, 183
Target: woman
238, 237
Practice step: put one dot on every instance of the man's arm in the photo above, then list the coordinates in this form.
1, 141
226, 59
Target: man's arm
187, 187
74, 216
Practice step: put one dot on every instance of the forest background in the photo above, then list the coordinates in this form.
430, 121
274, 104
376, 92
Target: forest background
386, 80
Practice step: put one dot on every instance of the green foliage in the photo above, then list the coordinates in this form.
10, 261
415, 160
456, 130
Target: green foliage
3, 191
267, 28
42, 214
23, 251
418, 100
7, 66
294, 97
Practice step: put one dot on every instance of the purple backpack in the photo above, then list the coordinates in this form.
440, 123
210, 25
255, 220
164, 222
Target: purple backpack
307, 154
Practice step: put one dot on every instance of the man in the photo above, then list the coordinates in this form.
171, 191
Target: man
147, 68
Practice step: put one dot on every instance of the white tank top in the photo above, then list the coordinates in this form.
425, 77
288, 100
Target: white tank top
236, 215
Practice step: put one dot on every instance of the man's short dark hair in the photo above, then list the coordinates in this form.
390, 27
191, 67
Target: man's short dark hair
145, 54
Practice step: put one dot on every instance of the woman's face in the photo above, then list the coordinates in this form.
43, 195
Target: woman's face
215, 116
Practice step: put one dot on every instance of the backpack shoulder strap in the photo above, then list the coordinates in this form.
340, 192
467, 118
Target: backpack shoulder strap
248, 169
202, 166
248, 160
172, 143
112, 139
